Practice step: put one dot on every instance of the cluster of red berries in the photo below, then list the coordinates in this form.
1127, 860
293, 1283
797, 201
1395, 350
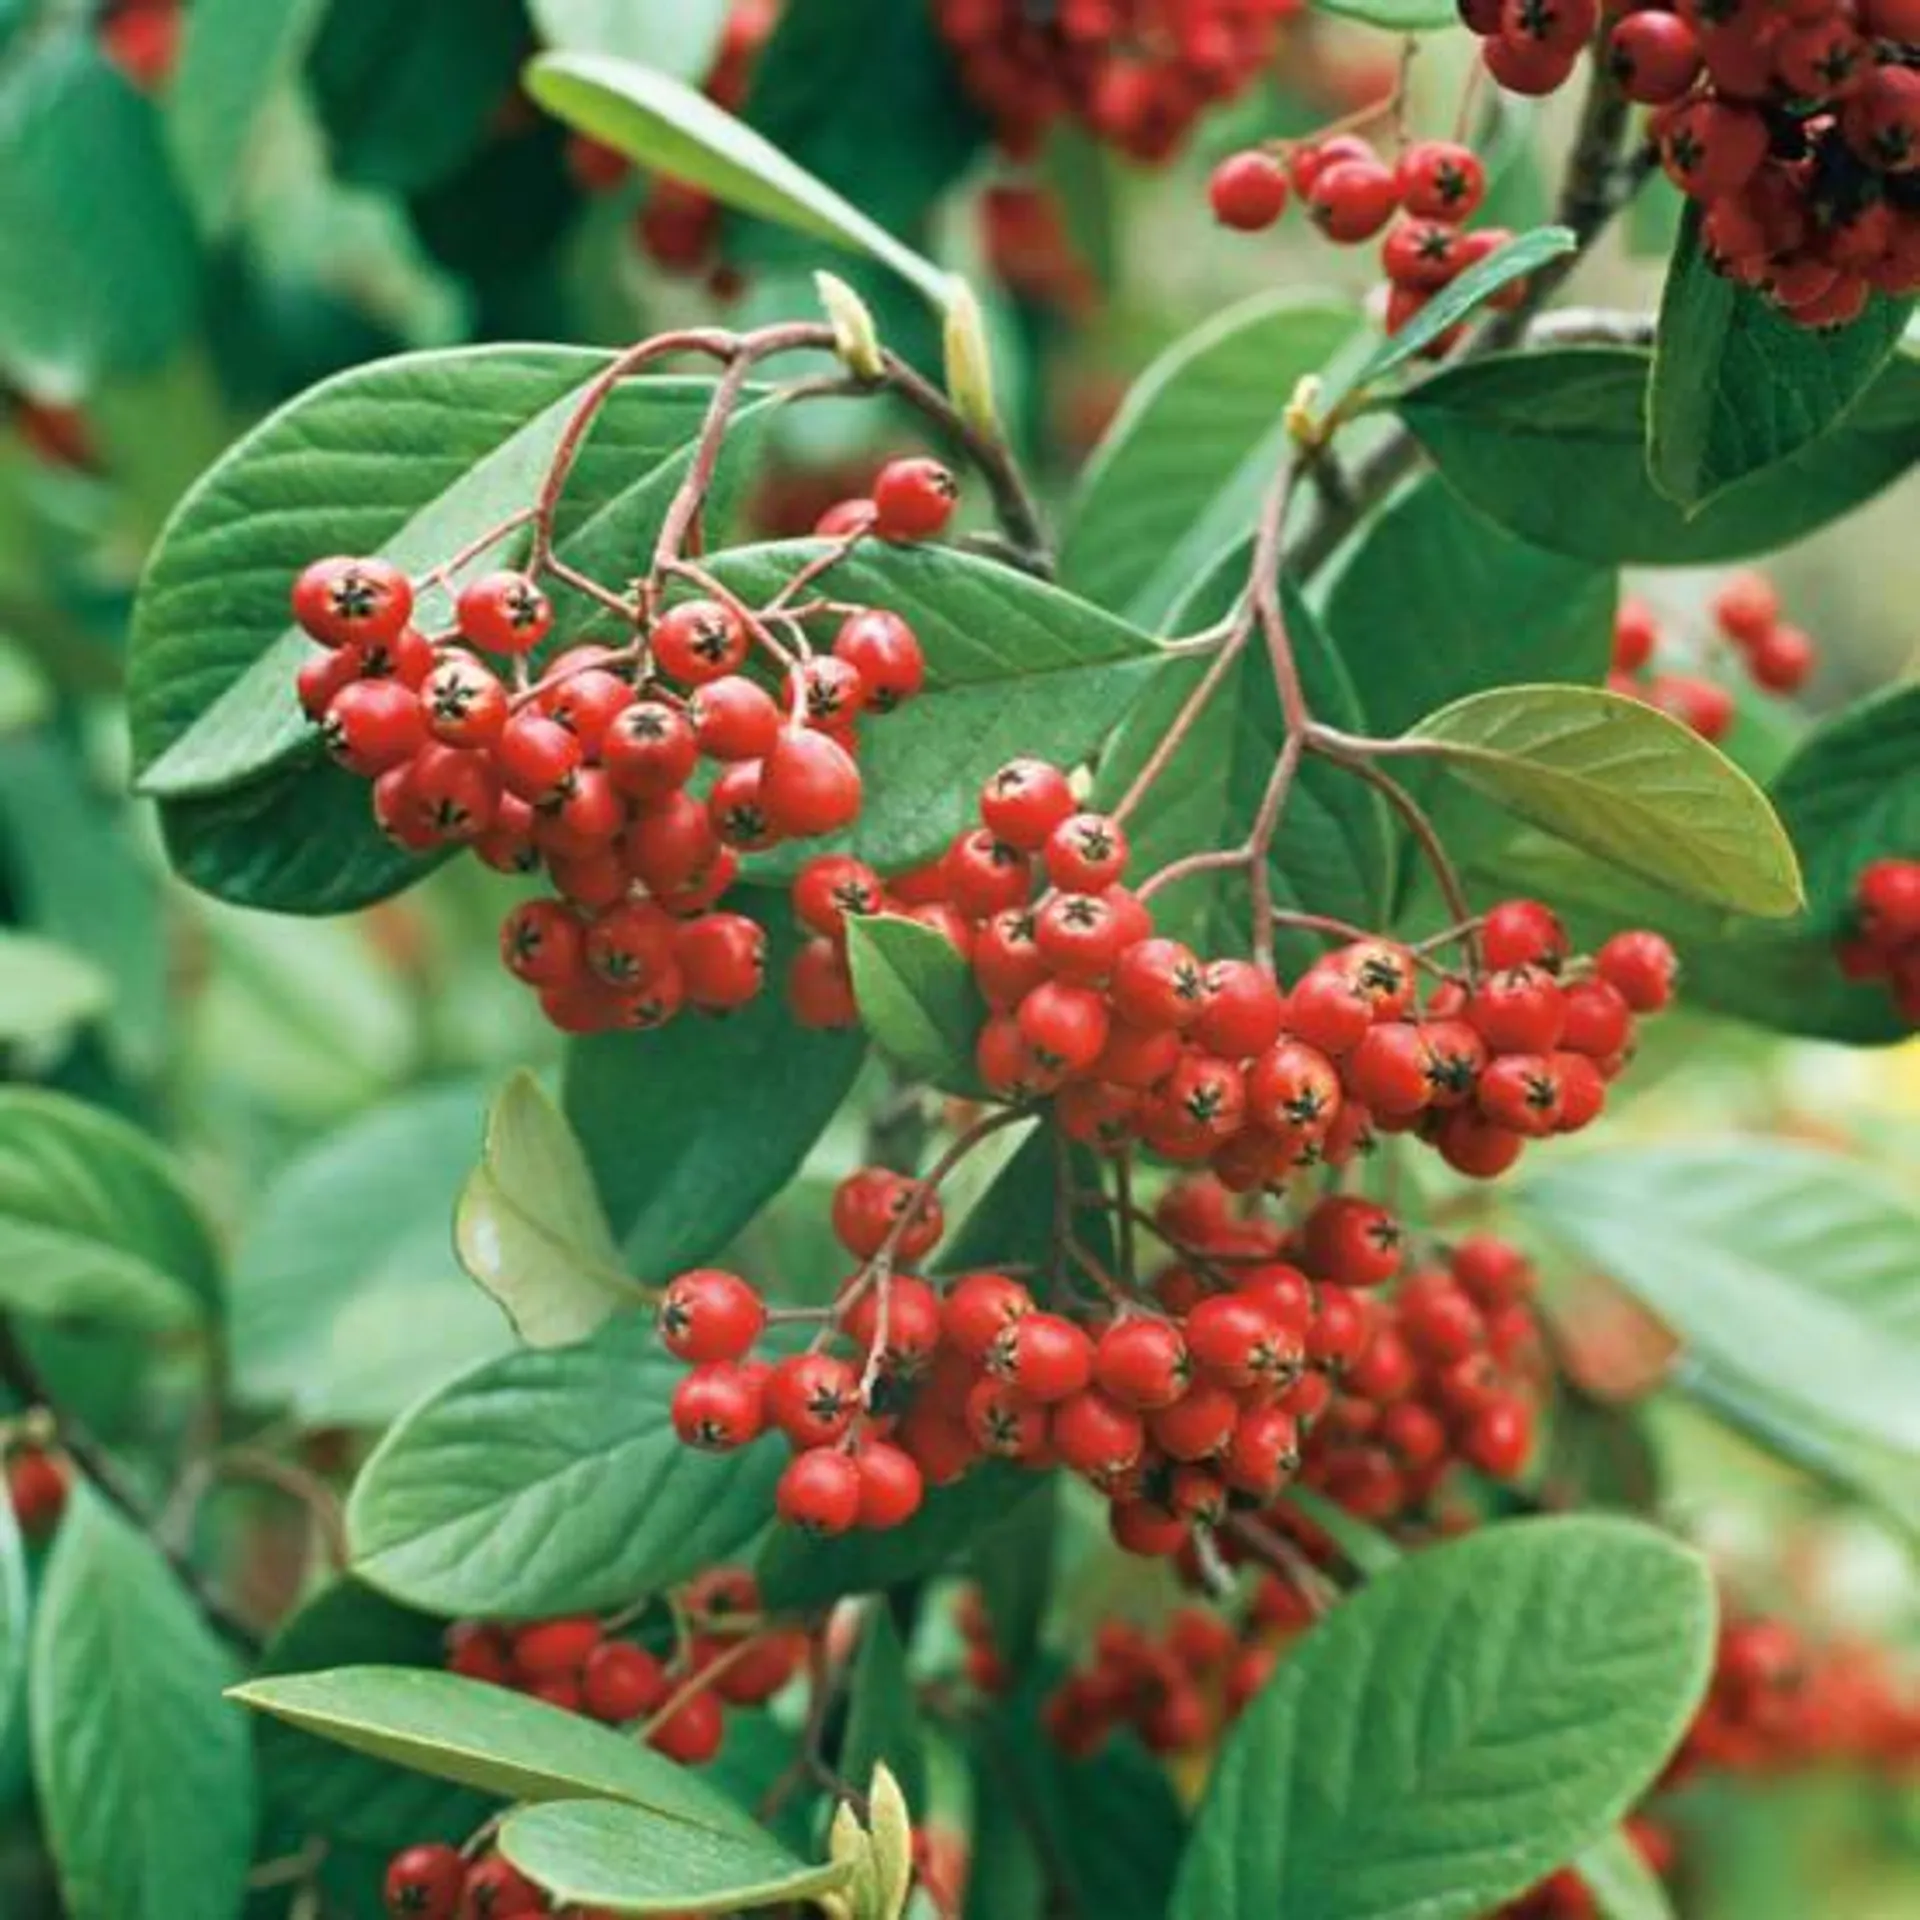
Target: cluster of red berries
1885, 943
1794, 123
1776, 656
142, 39
1024, 236
1179, 1690
588, 772
1351, 195
1135, 73
1135, 1038
1452, 1371
36, 1489
679, 225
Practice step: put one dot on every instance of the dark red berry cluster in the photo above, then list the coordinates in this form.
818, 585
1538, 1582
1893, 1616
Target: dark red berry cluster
1885, 941
1773, 654
1794, 123
1135, 1038
576, 1664
36, 1489
636, 778
679, 225
1135, 73
1180, 1689
1351, 194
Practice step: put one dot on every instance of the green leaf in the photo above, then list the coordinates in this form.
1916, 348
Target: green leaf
332, 1790
1519, 435
1792, 1272
1178, 476
46, 989
866, 96
1395, 16
1851, 795
234, 58
530, 1228
15, 1619
668, 128
413, 457
99, 270
405, 95
1012, 1565
346, 1310
917, 998
93, 1223
1625, 782
798, 1572
1014, 1222
622, 1859
691, 1129
494, 1740
1457, 1729
1737, 386
883, 1717
144, 1774
1015, 666
549, 1482
1457, 301
681, 40
1334, 851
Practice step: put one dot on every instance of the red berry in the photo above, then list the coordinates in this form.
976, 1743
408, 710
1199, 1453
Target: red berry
1351, 1242
622, 1682
373, 725
1248, 191
1328, 1010
552, 1647
1043, 1357
1523, 933
1264, 1452
868, 1205
912, 499
1004, 1422
698, 641
809, 785
36, 1490
1065, 1026
979, 1308
985, 876
1711, 148
830, 888
1641, 967
1097, 1436
1198, 1426
1598, 1023
891, 1486
425, 1883
542, 943
1085, 853
820, 987
1781, 660
1352, 200
538, 758
1474, 1145
820, 1491
1239, 1338
1140, 1526
734, 718
720, 1406
1024, 802
343, 601
1519, 1010
1441, 180
692, 1733
1746, 608
722, 959
830, 694
812, 1398
1293, 1089
708, 1314
504, 612
1636, 630
649, 750
1242, 1012
886, 654
1078, 936
1158, 983
1655, 57
1499, 1437
1526, 66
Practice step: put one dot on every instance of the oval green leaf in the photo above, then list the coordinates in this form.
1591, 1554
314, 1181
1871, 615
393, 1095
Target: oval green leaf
491, 1739
530, 1228
1792, 1272
93, 1223
917, 998
1178, 475
623, 1859
667, 127
144, 1774
1521, 434
1739, 387
1456, 1730
549, 1482
1626, 783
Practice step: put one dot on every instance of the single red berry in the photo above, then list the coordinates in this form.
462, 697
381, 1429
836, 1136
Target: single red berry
1351, 1242
1264, 1452
827, 693
1499, 1437
979, 1308
1078, 936
692, 1733
1066, 1026
504, 612
1636, 628
425, 1883
1526, 66
1240, 1338
36, 1490
1887, 899
1711, 148
698, 641
1004, 1422
812, 1398
669, 844
831, 887
543, 943
1328, 1010
1353, 199
722, 959
538, 758
886, 654
1158, 983
650, 750
1199, 1425
720, 1406
845, 520
1024, 802
622, 1682
1242, 1012
891, 1486
1441, 180
708, 1314
1248, 191
809, 785
1519, 1010
734, 718
1523, 933
341, 602
1308, 159
1746, 608
820, 1491
1085, 853
1472, 1144
1097, 1437
1782, 660
629, 946
1599, 1023
1042, 1356
1654, 57
820, 986
912, 1313
550, 1647
1142, 1527
985, 876
912, 499
868, 1206
373, 725
1641, 967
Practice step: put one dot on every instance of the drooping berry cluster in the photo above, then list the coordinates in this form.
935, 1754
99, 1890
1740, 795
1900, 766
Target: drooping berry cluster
1136, 73
1885, 942
1794, 123
1351, 194
1135, 1038
591, 772
1775, 655
679, 225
